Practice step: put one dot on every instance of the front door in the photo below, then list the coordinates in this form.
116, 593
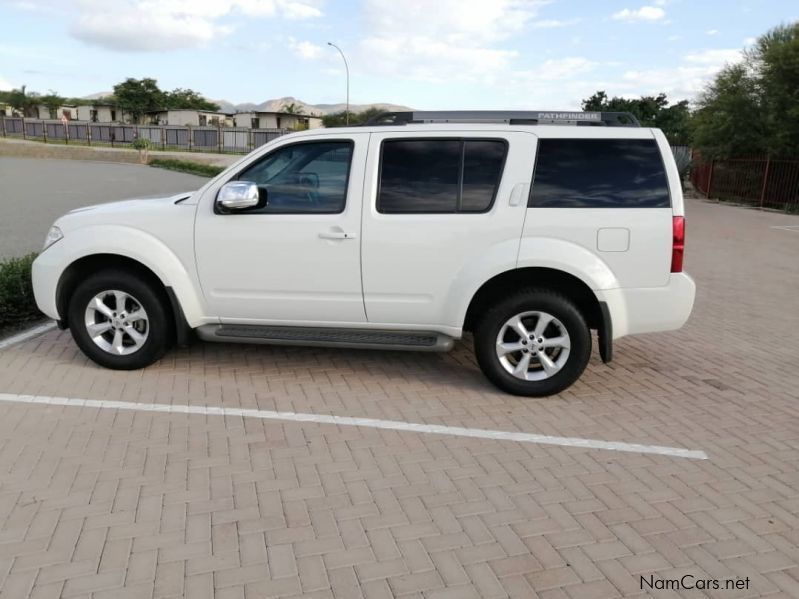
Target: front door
295, 258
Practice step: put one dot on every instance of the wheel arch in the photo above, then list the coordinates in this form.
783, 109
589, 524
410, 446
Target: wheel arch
595, 313
82, 267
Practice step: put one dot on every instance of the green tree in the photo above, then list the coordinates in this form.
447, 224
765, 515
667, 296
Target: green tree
290, 108
753, 107
23, 101
138, 96
339, 119
775, 63
187, 98
53, 102
730, 120
652, 111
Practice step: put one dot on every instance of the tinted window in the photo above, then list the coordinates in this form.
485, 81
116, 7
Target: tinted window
419, 176
443, 175
599, 173
306, 177
482, 169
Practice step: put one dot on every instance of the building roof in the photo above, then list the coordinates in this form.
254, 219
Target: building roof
307, 116
198, 110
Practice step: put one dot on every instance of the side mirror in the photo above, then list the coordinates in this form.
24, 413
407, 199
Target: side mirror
238, 195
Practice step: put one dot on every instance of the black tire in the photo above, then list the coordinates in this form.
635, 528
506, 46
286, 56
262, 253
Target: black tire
160, 328
527, 300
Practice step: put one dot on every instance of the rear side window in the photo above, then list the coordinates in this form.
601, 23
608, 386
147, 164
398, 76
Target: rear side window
439, 175
482, 170
599, 173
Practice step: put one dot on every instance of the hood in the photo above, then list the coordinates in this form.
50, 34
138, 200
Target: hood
134, 202
140, 212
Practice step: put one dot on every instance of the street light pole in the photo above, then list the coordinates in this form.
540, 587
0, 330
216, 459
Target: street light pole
347, 69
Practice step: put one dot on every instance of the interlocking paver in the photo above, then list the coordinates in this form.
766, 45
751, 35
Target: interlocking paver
124, 504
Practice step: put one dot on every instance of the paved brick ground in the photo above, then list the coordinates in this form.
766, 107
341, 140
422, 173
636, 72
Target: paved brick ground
100, 503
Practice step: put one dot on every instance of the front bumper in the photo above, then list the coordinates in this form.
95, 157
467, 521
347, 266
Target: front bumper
650, 309
45, 274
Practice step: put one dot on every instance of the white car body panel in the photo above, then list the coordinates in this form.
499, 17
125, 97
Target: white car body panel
412, 262
403, 272
156, 232
275, 268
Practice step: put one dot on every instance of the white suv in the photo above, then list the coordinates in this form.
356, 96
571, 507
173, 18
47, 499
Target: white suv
528, 229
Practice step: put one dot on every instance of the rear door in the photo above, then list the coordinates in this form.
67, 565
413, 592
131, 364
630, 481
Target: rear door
435, 205
609, 193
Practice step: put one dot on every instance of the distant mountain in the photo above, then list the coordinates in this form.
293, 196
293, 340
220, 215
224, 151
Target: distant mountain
98, 95
279, 104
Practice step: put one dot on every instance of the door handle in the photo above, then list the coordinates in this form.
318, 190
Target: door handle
336, 235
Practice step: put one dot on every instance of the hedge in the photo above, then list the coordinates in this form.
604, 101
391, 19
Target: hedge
187, 166
16, 292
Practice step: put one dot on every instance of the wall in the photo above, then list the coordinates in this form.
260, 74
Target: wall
183, 117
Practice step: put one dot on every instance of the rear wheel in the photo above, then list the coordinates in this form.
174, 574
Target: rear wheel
533, 343
119, 320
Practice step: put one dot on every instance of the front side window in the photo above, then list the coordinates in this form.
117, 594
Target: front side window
305, 177
599, 173
439, 175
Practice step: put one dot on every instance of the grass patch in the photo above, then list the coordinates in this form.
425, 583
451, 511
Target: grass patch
187, 166
17, 305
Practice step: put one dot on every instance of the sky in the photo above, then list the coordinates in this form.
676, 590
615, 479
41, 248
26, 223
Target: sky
425, 54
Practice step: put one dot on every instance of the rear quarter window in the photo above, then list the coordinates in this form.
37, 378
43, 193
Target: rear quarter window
599, 173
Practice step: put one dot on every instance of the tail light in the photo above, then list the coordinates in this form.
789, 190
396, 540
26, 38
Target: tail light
677, 243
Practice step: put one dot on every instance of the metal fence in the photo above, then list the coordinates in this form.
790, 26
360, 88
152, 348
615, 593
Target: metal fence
763, 182
164, 137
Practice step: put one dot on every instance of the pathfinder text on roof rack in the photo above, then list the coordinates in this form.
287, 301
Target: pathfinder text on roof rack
510, 117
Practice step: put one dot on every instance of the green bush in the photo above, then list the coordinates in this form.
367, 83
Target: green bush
141, 143
16, 292
187, 166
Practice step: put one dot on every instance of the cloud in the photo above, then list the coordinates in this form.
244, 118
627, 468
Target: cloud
552, 23
299, 10
712, 32
556, 69
645, 13
5, 84
446, 39
306, 50
714, 57
160, 25
695, 70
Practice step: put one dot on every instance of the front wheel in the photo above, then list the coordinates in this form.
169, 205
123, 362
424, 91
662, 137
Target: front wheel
119, 320
533, 343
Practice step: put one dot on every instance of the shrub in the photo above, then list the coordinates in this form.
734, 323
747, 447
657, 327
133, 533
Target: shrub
16, 292
142, 144
187, 166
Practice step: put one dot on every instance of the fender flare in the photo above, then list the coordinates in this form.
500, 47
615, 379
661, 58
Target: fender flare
551, 253
569, 257
147, 250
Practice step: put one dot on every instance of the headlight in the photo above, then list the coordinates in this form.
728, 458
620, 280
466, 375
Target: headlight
53, 235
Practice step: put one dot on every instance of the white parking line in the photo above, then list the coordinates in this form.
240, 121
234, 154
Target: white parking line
434, 429
794, 228
27, 334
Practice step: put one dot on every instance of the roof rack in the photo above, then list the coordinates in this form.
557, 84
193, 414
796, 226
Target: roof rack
508, 117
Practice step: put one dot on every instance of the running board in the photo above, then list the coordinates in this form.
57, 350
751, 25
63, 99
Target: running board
326, 337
